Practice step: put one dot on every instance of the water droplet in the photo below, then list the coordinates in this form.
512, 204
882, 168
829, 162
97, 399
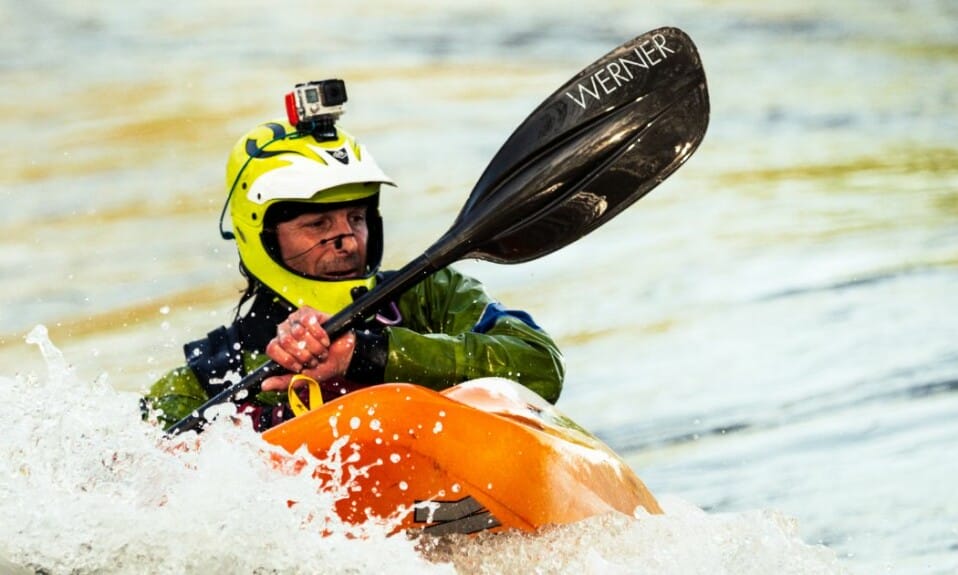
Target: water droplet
437, 428
395, 458
403, 486
165, 310
355, 423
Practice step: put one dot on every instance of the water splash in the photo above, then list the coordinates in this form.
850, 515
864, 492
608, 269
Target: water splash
87, 487
684, 540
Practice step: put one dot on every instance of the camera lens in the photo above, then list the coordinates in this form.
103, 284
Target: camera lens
334, 92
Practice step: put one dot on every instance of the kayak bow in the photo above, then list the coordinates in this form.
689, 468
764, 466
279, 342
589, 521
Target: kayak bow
484, 455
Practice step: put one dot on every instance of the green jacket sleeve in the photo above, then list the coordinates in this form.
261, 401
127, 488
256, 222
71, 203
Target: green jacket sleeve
174, 396
179, 392
442, 342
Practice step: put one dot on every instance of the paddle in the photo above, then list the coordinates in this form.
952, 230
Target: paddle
599, 143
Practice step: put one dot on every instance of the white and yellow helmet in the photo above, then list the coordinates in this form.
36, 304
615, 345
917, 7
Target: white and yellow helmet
273, 165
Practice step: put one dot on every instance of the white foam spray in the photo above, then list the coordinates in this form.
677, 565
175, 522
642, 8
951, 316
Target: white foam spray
86, 486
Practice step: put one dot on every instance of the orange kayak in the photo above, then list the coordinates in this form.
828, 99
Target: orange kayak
484, 455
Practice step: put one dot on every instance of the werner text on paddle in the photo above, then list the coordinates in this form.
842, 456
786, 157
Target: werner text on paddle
620, 71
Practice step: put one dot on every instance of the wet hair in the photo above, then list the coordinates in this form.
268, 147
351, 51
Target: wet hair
253, 288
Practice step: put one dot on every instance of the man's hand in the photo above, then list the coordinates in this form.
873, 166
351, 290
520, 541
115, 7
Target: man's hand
302, 346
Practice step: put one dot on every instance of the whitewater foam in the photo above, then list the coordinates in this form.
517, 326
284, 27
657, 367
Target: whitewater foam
86, 486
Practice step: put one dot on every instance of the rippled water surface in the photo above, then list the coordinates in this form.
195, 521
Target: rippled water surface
768, 338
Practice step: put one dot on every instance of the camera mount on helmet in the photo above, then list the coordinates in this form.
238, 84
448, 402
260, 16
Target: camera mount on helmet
313, 107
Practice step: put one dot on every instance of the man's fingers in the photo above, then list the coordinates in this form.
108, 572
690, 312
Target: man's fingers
278, 353
310, 321
277, 382
303, 348
301, 343
307, 323
316, 330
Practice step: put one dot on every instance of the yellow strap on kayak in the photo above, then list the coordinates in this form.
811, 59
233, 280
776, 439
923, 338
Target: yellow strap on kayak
315, 395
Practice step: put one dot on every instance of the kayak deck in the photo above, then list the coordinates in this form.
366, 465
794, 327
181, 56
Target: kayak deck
484, 455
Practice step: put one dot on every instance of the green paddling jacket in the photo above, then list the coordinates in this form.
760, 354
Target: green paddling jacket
441, 332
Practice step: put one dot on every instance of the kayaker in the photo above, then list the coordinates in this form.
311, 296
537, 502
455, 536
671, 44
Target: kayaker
305, 215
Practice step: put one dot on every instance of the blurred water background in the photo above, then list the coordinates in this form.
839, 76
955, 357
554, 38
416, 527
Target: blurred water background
769, 338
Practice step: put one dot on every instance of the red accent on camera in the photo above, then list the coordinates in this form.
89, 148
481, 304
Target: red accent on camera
291, 112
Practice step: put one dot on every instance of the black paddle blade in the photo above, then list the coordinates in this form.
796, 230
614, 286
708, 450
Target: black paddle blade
599, 143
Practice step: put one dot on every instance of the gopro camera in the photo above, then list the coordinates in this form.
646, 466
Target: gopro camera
315, 106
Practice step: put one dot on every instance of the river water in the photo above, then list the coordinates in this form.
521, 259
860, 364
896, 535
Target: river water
769, 338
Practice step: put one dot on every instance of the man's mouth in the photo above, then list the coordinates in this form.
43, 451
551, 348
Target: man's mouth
341, 274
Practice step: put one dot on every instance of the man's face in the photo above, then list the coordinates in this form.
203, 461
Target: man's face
330, 245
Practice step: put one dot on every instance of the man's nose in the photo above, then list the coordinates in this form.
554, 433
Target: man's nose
342, 234
345, 241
